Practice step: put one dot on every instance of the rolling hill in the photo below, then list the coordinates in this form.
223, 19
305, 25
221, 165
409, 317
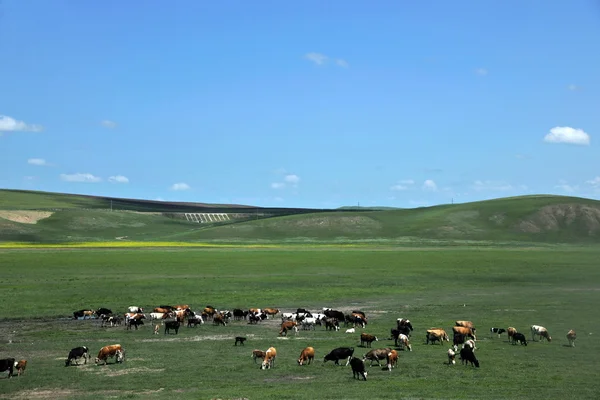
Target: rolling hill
54, 217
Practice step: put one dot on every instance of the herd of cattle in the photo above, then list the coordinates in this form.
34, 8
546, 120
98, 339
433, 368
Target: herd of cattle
172, 317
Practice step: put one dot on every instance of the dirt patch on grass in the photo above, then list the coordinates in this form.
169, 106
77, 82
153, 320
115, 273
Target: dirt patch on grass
555, 217
107, 371
289, 378
41, 394
25, 217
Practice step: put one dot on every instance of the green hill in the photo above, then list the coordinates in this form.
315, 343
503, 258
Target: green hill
53, 217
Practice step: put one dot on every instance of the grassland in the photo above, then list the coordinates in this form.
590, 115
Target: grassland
555, 287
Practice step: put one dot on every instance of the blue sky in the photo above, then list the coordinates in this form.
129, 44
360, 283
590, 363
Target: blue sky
301, 104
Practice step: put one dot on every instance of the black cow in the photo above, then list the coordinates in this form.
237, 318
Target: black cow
7, 364
332, 324
304, 311
334, 314
340, 353
358, 368
519, 337
76, 353
239, 314
103, 310
403, 323
170, 308
193, 321
172, 325
82, 314
460, 338
134, 322
240, 340
468, 356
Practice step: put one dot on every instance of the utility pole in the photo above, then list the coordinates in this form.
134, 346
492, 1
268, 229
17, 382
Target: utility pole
110, 204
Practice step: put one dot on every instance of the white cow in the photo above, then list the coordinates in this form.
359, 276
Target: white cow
537, 330
135, 309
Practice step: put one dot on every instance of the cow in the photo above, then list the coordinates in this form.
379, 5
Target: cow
168, 308
376, 355
20, 366
103, 311
269, 360
463, 330
163, 310
174, 325
470, 343
240, 340
339, 353
519, 337
181, 307
239, 314
358, 368
334, 314
571, 336
451, 357
403, 342
76, 353
257, 354
194, 320
218, 319
361, 313
156, 329
210, 311
510, 332
309, 323
392, 360
498, 331
114, 350
288, 325
404, 326
358, 319
351, 330
271, 311
468, 356
436, 334
134, 322
366, 339
135, 309
7, 364
466, 324
537, 330
332, 324
308, 354
83, 314
460, 338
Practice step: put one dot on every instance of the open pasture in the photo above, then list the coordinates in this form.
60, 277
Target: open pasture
559, 289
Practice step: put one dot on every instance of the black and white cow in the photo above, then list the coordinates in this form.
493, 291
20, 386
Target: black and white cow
358, 368
498, 331
77, 353
340, 353
7, 364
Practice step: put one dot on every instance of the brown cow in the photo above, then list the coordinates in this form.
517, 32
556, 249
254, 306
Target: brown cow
307, 354
288, 325
269, 360
571, 336
392, 360
114, 350
271, 311
21, 365
436, 334
466, 324
463, 330
367, 339
511, 332
218, 319
161, 310
376, 355
257, 354
181, 307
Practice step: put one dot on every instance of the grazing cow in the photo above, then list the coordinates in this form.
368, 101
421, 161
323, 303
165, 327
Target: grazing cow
7, 364
460, 338
468, 356
21, 365
257, 354
470, 343
76, 353
218, 319
172, 325
288, 325
351, 330
103, 311
358, 368
332, 324
181, 307
376, 355
135, 309
466, 324
194, 320
451, 357
367, 339
571, 336
519, 337
240, 340
498, 331
463, 330
361, 313
339, 353
113, 350
436, 334
334, 314
134, 322
209, 311
308, 354
271, 311
403, 342
83, 314
162, 310
358, 319
309, 323
404, 326
392, 360
269, 360
510, 332
537, 330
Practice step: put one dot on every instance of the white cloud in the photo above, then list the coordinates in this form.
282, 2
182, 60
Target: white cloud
398, 187
37, 161
492, 186
159, 199
277, 185
481, 71
594, 183
342, 63
8, 124
429, 185
566, 134
109, 124
573, 87
565, 187
180, 186
403, 184
317, 58
118, 179
79, 177
293, 179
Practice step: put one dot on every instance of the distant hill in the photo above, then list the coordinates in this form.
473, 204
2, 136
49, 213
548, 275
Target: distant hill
361, 208
54, 217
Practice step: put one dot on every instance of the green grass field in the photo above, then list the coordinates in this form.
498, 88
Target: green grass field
558, 288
